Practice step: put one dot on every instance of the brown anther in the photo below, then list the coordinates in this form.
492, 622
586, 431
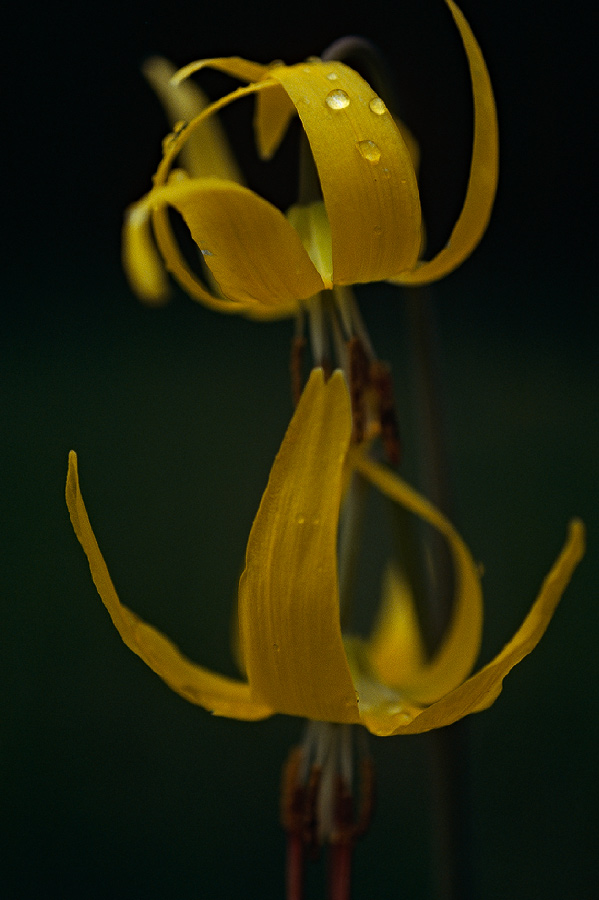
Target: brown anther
347, 830
358, 383
299, 801
300, 808
344, 827
310, 821
298, 345
292, 792
380, 379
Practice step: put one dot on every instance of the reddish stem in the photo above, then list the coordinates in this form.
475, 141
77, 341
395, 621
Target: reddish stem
295, 867
340, 856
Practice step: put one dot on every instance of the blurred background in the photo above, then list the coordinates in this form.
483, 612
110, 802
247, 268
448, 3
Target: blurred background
112, 786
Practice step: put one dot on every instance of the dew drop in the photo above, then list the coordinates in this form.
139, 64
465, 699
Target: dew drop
377, 229
300, 520
370, 151
337, 100
332, 76
206, 252
377, 106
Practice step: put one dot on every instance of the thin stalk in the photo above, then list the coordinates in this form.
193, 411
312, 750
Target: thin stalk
294, 874
340, 858
350, 530
448, 746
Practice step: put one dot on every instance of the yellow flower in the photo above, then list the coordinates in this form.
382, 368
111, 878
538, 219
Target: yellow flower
367, 227
295, 657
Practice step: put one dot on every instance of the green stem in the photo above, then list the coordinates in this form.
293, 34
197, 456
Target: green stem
448, 746
350, 526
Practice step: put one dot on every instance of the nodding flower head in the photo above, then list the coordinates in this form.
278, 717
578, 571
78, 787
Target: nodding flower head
360, 223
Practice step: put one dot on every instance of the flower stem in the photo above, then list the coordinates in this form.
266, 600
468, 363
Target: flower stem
448, 746
340, 857
294, 874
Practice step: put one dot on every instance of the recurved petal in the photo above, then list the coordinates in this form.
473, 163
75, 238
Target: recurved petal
223, 696
288, 597
142, 263
274, 111
482, 183
235, 66
254, 253
207, 153
395, 647
366, 174
459, 649
483, 688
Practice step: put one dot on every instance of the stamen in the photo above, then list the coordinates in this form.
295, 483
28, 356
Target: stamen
350, 527
319, 336
298, 346
317, 805
339, 342
350, 313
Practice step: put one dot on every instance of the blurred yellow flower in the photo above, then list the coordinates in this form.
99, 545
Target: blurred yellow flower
366, 226
294, 654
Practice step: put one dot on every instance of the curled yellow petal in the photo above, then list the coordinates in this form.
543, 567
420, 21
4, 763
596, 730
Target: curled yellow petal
458, 652
288, 594
483, 688
223, 696
254, 253
274, 111
207, 153
259, 262
142, 262
365, 170
236, 66
482, 183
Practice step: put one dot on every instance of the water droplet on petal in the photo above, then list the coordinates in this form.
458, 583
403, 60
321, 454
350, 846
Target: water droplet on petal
300, 520
205, 252
332, 76
337, 100
377, 106
377, 229
370, 151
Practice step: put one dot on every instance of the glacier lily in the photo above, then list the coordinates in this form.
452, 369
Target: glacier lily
296, 659
366, 225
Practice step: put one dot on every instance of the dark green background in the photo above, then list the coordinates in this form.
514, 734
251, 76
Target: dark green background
112, 786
